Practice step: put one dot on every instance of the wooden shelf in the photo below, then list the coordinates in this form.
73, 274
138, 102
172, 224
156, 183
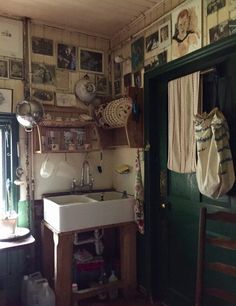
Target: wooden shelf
57, 137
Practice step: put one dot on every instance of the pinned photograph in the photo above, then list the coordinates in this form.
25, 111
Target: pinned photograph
137, 54
91, 61
42, 46
214, 5
151, 63
162, 57
165, 35
43, 96
186, 28
152, 41
219, 31
4, 69
232, 26
16, 69
6, 100
43, 74
66, 57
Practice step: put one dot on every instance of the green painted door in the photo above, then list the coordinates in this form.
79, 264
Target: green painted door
172, 199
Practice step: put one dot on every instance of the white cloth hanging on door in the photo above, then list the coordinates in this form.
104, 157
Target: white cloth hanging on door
183, 104
215, 170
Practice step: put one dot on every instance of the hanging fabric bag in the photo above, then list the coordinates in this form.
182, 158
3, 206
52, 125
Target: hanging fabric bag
215, 170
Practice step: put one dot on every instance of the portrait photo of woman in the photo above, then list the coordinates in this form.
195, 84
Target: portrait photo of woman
186, 26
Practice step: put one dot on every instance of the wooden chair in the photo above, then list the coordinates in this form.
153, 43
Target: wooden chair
220, 267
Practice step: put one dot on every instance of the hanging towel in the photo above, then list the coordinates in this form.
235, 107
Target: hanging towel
215, 170
138, 195
183, 103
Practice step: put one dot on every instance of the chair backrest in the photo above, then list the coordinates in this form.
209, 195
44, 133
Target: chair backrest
218, 266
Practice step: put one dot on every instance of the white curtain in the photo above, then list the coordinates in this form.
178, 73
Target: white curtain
183, 104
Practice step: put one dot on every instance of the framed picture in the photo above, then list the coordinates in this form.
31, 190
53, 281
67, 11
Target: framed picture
165, 34
43, 96
6, 100
91, 61
66, 56
43, 74
101, 84
42, 46
16, 69
214, 5
152, 42
4, 69
11, 38
137, 54
186, 28
63, 99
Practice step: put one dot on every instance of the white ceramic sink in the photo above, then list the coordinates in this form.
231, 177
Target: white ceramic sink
75, 212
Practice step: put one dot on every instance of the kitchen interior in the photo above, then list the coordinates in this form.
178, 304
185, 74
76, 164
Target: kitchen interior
80, 81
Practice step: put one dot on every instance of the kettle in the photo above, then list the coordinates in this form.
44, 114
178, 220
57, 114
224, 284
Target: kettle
29, 113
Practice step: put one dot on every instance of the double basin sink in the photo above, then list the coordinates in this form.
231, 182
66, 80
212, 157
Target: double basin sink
76, 212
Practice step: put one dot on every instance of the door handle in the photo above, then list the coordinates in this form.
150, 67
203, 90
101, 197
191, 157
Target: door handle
165, 205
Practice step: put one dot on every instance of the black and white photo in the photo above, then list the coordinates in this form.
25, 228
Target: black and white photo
42, 46
16, 69
43, 74
214, 5
219, 31
43, 96
152, 41
66, 56
4, 69
91, 61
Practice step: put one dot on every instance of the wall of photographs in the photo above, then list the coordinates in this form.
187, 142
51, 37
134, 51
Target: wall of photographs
169, 31
59, 58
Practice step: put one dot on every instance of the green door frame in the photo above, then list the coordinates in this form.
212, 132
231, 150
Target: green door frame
201, 59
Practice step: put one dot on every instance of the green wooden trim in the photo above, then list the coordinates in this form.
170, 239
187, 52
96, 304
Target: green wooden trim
155, 80
210, 52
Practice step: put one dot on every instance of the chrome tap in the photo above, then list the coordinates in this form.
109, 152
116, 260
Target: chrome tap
86, 177
86, 180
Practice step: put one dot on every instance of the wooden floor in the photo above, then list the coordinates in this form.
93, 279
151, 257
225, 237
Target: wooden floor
138, 301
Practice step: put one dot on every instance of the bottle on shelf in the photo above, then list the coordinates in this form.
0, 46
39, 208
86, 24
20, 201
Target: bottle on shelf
24, 284
113, 294
102, 280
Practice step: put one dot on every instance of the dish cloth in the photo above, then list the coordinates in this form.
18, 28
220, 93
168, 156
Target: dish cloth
138, 196
183, 104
